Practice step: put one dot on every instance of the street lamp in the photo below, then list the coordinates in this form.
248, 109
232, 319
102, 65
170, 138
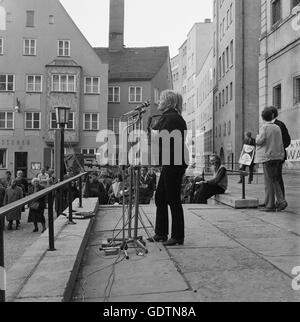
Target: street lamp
62, 119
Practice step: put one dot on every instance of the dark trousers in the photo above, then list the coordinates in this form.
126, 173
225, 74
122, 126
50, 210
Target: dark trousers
251, 171
280, 178
272, 185
205, 192
168, 193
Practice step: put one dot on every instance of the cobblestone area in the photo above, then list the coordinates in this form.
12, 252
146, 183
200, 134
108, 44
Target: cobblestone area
16, 242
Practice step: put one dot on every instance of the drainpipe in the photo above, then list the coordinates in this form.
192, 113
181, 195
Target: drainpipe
243, 69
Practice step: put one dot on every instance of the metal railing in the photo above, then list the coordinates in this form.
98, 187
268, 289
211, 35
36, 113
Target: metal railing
50, 193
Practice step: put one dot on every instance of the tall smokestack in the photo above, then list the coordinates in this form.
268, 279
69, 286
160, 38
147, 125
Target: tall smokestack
116, 25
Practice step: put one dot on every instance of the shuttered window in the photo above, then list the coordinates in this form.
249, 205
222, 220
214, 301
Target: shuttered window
297, 90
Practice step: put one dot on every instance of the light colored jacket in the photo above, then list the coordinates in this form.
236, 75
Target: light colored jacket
269, 144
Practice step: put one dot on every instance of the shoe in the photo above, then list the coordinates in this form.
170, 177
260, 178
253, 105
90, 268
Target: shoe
9, 227
240, 182
282, 206
174, 242
35, 230
157, 239
44, 229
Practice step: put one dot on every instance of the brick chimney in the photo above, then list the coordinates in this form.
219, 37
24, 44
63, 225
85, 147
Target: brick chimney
116, 25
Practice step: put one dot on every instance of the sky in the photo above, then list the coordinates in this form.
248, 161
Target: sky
147, 22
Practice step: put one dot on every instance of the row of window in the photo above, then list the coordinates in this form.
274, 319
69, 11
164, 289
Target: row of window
276, 10
224, 97
226, 60
277, 93
226, 129
30, 47
67, 83
33, 121
59, 83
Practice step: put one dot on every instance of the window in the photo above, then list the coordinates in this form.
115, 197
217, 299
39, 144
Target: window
64, 47
91, 122
54, 125
225, 129
1, 46
51, 19
229, 127
32, 120
277, 96
297, 90
6, 120
220, 100
114, 94
223, 63
231, 13
231, 53
135, 94
276, 11
34, 84
29, 18
29, 48
223, 97
3, 158
7, 83
92, 85
231, 91
227, 94
227, 58
63, 83
88, 151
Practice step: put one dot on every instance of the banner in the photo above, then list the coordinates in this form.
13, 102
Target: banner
293, 151
247, 155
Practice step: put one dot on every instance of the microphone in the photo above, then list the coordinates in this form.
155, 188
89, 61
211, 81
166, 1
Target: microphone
139, 109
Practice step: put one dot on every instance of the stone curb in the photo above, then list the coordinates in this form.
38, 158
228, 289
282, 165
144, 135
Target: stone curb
39, 274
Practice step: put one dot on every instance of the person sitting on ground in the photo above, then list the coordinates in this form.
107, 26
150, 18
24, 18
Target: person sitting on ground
216, 186
146, 187
37, 208
115, 192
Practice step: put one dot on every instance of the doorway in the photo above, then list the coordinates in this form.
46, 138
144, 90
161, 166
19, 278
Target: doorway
21, 163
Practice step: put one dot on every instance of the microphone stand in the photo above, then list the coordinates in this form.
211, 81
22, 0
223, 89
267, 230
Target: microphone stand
135, 175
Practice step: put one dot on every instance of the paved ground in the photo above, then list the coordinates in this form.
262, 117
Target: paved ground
229, 255
256, 190
17, 242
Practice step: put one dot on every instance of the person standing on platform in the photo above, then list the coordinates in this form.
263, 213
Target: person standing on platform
6, 182
12, 194
286, 143
43, 178
168, 191
270, 153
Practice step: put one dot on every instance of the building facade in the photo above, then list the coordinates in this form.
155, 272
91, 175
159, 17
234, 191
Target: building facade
190, 59
136, 75
236, 54
204, 113
279, 67
46, 62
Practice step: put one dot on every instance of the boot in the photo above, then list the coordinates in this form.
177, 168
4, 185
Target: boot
17, 224
36, 228
44, 228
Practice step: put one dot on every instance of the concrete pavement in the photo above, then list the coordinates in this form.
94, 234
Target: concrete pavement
229, 255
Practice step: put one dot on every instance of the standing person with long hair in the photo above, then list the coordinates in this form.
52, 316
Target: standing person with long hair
168, 191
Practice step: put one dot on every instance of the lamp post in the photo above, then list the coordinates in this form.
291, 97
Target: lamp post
62, 119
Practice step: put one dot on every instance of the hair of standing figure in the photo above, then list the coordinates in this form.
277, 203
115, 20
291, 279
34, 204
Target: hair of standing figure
168, 100
179, 105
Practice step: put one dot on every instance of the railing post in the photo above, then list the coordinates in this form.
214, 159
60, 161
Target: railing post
70, 200
2, 268
51, 222
80, 192
243, 187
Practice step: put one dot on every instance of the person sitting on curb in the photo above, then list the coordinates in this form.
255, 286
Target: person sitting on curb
216, 186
